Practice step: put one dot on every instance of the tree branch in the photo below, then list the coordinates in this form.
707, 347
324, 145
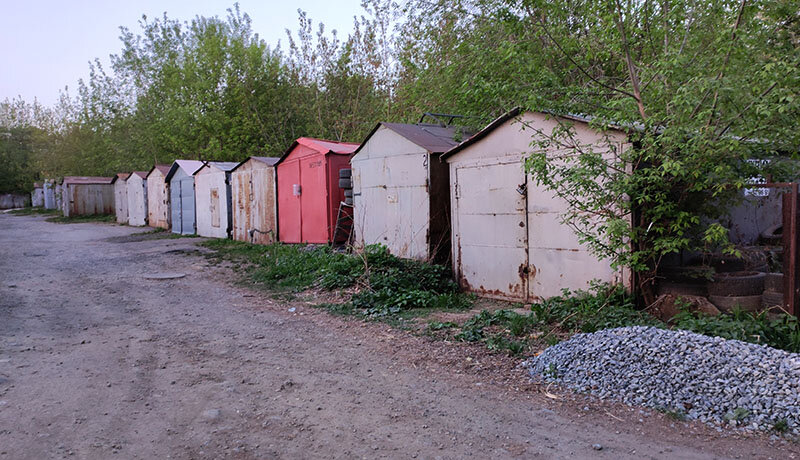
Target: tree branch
744, 110
569, 57
725, 61
632, 72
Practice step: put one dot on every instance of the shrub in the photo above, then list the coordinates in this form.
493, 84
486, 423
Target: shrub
782, 332
392, 285
601, 307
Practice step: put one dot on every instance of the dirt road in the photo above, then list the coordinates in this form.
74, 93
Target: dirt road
97, 361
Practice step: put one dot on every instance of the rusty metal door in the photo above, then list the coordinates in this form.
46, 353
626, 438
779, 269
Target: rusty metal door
491, 230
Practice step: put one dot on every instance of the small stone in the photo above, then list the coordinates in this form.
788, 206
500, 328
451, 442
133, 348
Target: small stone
597, 447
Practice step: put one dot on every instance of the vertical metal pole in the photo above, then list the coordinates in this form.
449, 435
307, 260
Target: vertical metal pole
790, 250
794, 298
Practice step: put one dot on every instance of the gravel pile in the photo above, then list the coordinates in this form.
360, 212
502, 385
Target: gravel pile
706, 378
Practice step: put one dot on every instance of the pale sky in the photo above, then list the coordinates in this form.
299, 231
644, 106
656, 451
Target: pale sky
47, 44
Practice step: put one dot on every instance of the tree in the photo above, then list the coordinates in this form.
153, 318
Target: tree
700, 87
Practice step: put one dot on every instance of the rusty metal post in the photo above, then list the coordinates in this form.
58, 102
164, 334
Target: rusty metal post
791, 280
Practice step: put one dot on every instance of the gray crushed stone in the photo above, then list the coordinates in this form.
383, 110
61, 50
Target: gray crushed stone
714, 380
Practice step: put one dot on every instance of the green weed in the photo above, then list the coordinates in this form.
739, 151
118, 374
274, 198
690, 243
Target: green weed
739, 414
781, 332
780, 425
674, 414
499, 330
390, 288
551, 372
438, 325
34, 211
600, 307
82, 219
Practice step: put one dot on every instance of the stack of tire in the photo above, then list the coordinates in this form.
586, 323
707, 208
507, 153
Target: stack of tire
346, 183
772, 298
773, 282
684, 280
731, 290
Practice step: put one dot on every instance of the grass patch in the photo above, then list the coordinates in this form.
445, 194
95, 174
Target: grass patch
82, 219
35, 211
398, 291
782, 331
381, 286
548, 322
605, 307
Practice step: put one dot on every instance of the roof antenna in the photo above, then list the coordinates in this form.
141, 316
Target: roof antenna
440, 118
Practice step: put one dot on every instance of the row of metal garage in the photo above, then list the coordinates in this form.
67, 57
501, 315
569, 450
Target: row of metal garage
427, 191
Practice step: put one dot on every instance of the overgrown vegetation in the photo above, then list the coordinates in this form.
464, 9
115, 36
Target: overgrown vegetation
605, 307
379, 285
35, 211
383, 287
559, 317
82, 219
782, 331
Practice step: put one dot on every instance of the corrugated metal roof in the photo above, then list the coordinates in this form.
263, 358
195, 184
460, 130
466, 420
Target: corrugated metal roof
223, 165
122, 176
163, 168
433, 138
516, 112
86, 180
188, 166
268, 160
142, 174
271, 161
322, 146
482, 133
226, 166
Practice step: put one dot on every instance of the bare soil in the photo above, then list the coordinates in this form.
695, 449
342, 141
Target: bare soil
96, 361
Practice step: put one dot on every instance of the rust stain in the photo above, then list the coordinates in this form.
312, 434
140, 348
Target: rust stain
254, 208
523, 271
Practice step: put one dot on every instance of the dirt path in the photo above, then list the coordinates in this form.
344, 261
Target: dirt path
96, 360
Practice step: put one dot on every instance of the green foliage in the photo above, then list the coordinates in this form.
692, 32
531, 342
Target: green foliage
739, 414
37, 211
601, 307
499, 330
781, 425
782, 332
82, 219
697, 90
339, 309
439, 325
209, 88
391, 287
675, 414
18, 148
606, 307
399, 285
